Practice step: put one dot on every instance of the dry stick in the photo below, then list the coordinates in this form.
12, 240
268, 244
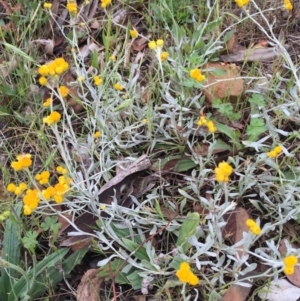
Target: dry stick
122, 265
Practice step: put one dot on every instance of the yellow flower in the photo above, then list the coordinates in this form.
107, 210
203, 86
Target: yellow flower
289, 264
211, 127
105, 3
97, 80
290, 260
72, 8
288, 5
102, 206
43, 177
11, 187
289, 270
58, 199
152, 45
144, 121
160, 43
17, 189
253, 226
223, 171
61, 170
48, 193
164, 55
43, 70
133, 33
31, 198
185, 274
47, 5
241, 3
97, 134
64, 91
118, 87
23, 161
202, 121
43, 81
27, 210
275, 152
112, 58
52, 118
47, 102
197, 75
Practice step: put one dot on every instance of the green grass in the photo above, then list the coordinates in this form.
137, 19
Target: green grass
178, 211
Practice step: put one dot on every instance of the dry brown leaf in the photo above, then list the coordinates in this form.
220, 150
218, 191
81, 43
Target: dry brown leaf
233, 45
235, 226
7, 66
77, 242
236, 293
253, 55
48, 45
140, 164
89, 287
295, 278
227, 85
139, 44
73, 94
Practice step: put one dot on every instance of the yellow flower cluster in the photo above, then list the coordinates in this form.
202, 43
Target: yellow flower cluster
105, 3
31, 201
157, 46
47, 5
32, 197
288, 4
58, 191
97, 80
54, 117
154, 45
72, 7
253, 226
209, 124
118, 87
275, 152
23, 161
289, 264
43, 177
223, 171
241, 3
133, 33
197, 75
185, 274
17, 190
64, 91
54, 68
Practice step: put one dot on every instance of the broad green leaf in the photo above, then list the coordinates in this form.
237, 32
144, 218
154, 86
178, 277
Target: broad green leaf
228, 36
139, 251
187, 229
255, 128
257, 99
234, 135
175, 163
55, 274
10, 251
20, 287
135, 280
